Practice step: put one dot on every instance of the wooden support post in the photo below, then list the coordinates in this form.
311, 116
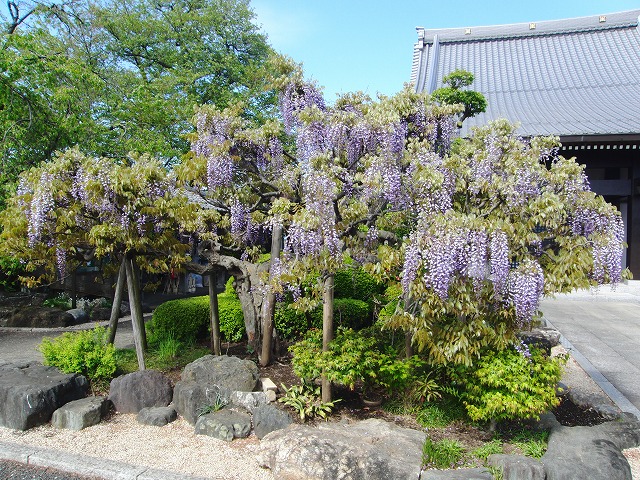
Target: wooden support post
327, 329
136, 320
117, 302
269, 303
214, 314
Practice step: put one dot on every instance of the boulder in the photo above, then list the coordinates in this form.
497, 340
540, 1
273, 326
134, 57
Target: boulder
231, 373
39, 317
79, 316
248, 400
461, 474
99, 314
591, 452
29, 394
190, 398
157, 416
147, 388
368, 449
81, 413
224, 424
517, 467
543, 338
267, 419
12, 303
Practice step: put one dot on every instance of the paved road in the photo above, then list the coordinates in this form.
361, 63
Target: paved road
21, 346
604, 328
19, 471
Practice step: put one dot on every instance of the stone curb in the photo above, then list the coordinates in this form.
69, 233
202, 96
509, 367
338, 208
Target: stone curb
85, 465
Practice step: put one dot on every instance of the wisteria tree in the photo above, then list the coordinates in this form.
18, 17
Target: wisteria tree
127, 213
503, 222
235, 171
477, 230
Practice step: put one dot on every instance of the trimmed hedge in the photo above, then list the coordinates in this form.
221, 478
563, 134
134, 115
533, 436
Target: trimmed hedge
187, 319
347, 312
356, 283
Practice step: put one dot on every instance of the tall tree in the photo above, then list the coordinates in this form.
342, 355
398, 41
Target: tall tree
128, 214
117, 77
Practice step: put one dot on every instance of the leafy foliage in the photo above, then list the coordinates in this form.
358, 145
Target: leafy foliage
453, 93
187, 319
292, 324
86, 352
117, 77
508, 385
62, 300
10, 270
356, 283
218, 404
353, 358
305, 400
442, 454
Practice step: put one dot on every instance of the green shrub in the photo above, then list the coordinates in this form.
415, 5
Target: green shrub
62, 301
232, 326
509, 385
347, 313
356, 283
353, 357
291, 323
188, 319
10, 270
86, 352
306, 401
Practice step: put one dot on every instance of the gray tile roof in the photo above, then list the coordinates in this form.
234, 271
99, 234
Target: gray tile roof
570, 77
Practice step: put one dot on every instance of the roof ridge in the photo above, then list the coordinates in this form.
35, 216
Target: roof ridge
591, 23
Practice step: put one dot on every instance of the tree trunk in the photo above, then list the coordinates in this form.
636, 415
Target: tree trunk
117, 302
269, 304
214, 314
74, 288
247, 278
327, 329
138, 333
408, 344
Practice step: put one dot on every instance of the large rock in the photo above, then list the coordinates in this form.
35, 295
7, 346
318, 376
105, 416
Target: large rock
267, 419
79, 315
39, 317
99, 314
517, 467
248, 400
224, 425
80, 414
12, 303
231, 373
461, 474
368, 449
591, 452
147, 388
157, 416
30, 394
190, 398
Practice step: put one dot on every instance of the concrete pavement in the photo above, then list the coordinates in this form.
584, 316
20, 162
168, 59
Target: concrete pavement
602, 331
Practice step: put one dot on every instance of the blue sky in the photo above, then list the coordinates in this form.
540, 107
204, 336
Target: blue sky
348, 45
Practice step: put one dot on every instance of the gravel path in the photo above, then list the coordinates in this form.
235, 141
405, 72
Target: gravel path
173, 447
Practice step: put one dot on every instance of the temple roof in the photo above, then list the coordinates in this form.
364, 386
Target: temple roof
573, 77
